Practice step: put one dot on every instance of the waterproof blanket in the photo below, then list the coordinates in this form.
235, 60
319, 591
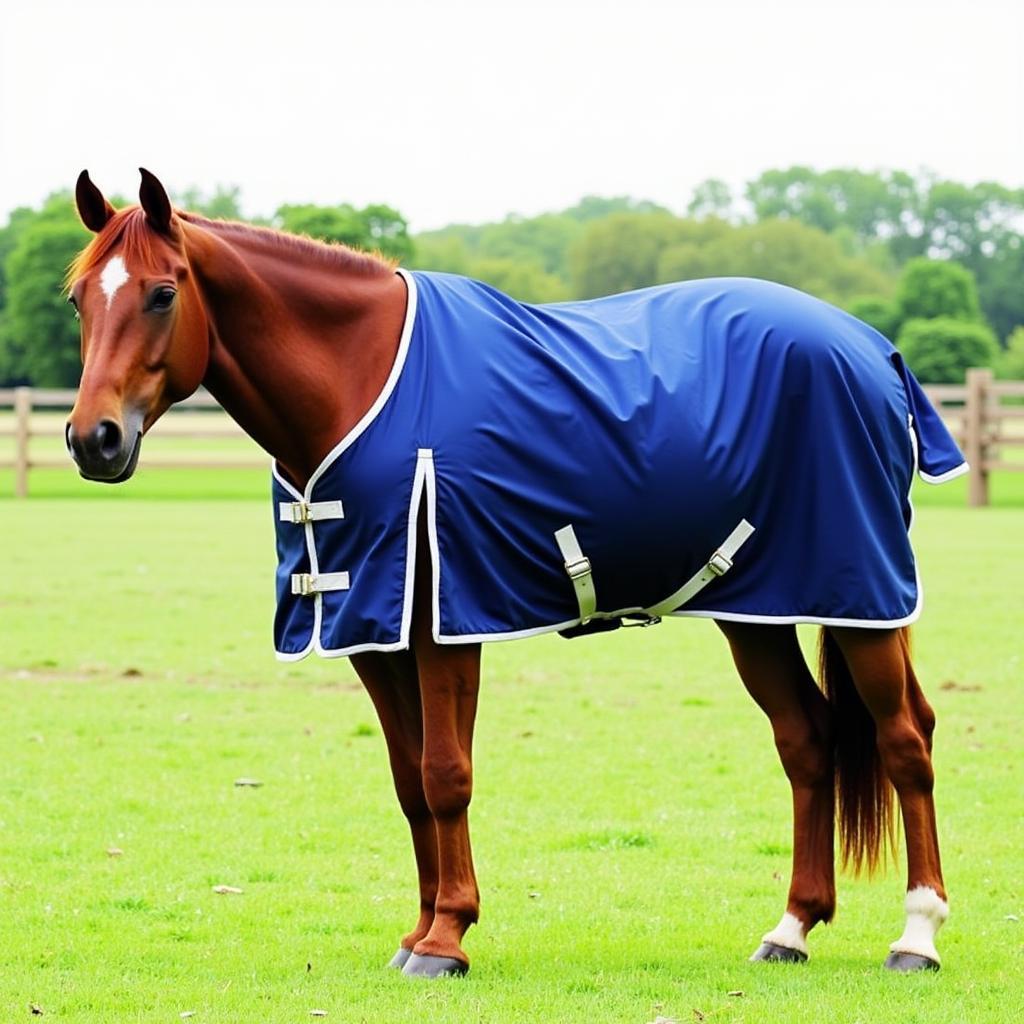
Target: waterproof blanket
652, 423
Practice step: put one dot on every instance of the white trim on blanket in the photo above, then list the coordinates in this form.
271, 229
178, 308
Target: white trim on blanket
423, 478
938, 478
332, 456
813, 620
950, 474
389, 385
314, 568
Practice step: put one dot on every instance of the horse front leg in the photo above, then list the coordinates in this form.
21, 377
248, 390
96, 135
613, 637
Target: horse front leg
449, 682
772, 667
879, 664
393, 685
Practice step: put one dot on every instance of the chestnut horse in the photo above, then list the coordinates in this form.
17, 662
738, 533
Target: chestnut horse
297, 339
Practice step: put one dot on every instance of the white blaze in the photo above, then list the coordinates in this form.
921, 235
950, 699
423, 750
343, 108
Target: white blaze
113, 276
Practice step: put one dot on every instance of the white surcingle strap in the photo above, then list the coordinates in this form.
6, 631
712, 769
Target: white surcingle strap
717, 565
306, 584
580, 572
577, 565
299, 512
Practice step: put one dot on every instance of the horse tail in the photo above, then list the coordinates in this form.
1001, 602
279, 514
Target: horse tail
865, 808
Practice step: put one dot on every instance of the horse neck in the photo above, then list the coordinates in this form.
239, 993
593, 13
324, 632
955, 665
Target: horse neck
300, 345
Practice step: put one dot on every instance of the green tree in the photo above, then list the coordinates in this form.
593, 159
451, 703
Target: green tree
543, 241
387, 231
872, 204
223, 203
970, 223
942, 349
591, 208
882, 314
1010, 364
441, 251
785, 251
373, 228
621, 252
937, 288
712, 198
1001, 286
524, 281
41, 337
980, 226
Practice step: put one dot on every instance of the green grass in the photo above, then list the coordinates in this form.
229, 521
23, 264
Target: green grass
631, 824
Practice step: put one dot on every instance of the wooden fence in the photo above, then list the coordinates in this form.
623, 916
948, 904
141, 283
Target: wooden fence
984, 424
38, 415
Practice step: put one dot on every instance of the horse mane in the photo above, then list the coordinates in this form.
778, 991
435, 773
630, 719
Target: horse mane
128, 226
330, 254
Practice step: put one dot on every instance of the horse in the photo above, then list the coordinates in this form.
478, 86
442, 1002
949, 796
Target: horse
305, 343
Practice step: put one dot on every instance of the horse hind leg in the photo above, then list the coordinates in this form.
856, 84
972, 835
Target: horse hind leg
881, 671
772, 667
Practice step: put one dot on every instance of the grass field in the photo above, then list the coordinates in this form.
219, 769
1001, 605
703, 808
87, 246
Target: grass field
631, 824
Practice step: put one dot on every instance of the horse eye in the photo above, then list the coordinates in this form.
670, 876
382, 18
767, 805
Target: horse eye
161, 299
74, 306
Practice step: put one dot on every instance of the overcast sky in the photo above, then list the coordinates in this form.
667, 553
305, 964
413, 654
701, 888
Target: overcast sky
467, 111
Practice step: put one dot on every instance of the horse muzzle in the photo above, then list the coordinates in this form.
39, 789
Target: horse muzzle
107, 453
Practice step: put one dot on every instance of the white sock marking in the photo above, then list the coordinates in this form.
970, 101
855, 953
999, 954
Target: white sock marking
789, 932
113, 276
926, 910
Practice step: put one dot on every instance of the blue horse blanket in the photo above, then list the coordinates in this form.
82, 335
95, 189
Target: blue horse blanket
652, 423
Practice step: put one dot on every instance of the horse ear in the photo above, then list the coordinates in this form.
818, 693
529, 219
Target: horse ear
154, 201
94, 210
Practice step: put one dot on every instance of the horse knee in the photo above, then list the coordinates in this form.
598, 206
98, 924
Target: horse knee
447, 784
904, 749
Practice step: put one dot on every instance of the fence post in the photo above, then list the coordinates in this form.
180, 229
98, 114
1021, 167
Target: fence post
975, 421
22, 420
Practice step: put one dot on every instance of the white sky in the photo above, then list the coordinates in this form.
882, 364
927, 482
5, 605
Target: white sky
467, 111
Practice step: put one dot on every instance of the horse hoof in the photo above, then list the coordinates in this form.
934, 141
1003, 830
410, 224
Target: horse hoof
426, 966
400, 959
770, 953
906, 963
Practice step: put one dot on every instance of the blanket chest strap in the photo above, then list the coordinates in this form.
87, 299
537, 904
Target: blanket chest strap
309, 511
306, 584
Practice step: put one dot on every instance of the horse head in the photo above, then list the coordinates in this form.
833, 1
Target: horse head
145, 335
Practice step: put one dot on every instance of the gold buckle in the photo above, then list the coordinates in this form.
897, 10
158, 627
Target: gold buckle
300, 512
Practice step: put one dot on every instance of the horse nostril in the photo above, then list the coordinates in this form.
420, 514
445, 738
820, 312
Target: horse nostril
108, 436
67, 436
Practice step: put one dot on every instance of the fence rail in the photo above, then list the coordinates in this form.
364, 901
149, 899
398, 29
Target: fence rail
36, 415
983, 425
976, 412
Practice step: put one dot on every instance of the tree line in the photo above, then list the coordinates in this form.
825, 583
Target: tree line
935, 265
